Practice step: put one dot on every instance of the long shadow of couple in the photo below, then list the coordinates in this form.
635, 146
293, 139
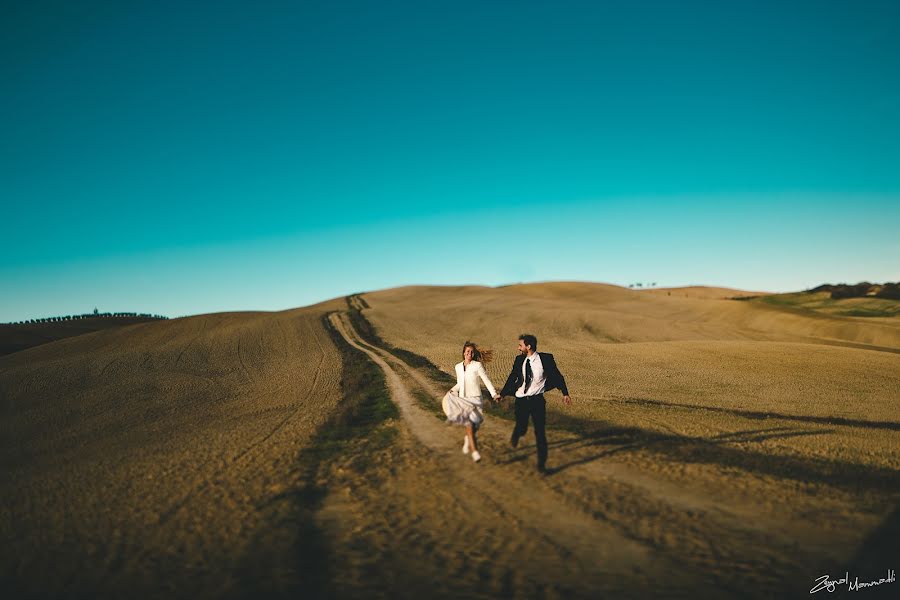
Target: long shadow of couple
594, 440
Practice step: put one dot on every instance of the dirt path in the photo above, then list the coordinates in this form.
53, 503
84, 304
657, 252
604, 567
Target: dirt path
534, 520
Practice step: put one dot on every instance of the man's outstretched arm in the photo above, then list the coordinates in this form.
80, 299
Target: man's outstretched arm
562, 383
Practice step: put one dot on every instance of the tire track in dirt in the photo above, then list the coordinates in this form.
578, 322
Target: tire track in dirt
186, 470
241, 360
212, 482
293, 414
595, 552
231, 462
203, 324
107, 366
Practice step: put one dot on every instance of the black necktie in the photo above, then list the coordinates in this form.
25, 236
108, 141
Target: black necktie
528, 375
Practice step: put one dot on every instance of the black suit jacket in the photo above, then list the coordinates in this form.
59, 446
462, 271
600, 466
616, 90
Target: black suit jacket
553, 378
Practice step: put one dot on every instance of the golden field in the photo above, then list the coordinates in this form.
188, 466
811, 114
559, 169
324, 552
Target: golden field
155, 456
714, 448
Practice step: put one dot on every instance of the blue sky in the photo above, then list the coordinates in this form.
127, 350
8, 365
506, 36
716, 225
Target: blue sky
181, 158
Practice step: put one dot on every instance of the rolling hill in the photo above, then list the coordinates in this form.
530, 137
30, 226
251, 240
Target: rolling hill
238, 454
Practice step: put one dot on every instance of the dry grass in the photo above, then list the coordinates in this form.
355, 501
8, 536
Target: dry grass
702, 292
724, 398
572, 318
160, 454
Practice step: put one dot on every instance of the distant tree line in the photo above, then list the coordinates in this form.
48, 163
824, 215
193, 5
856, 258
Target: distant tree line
861, 290
93, 315
641, 285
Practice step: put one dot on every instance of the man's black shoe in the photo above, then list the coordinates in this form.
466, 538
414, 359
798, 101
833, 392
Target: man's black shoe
514, 441
542, 469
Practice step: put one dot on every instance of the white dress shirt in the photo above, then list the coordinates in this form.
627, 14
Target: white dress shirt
467, 385
537, 380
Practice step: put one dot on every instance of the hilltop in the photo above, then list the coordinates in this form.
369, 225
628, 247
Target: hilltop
34, 332
874, 302
860, 290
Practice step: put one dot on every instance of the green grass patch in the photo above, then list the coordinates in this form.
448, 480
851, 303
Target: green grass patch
362, 423
865, 312
428, 403
366, 403
821, 303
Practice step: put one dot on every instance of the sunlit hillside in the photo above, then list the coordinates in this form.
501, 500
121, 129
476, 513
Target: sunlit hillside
297, 452
158, 451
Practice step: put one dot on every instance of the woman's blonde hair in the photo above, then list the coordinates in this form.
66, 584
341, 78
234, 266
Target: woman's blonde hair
483, 356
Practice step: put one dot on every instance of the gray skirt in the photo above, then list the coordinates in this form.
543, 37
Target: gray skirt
462, 411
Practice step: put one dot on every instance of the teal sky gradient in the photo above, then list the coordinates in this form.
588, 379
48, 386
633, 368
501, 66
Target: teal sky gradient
181, 158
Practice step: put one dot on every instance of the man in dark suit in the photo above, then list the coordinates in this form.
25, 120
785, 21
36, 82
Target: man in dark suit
533, 373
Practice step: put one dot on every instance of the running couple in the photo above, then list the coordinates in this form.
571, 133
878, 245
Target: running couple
533, 373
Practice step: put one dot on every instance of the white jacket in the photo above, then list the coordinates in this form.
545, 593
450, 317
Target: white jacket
467, 385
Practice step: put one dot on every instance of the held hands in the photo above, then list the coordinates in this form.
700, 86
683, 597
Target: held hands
496, 398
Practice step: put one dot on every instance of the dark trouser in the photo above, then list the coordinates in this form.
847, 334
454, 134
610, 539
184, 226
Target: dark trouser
536, 408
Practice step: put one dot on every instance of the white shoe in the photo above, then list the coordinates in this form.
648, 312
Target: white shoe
466, 445
476, 456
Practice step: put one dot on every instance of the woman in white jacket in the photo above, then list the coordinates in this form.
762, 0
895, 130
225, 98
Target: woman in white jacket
462, 404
